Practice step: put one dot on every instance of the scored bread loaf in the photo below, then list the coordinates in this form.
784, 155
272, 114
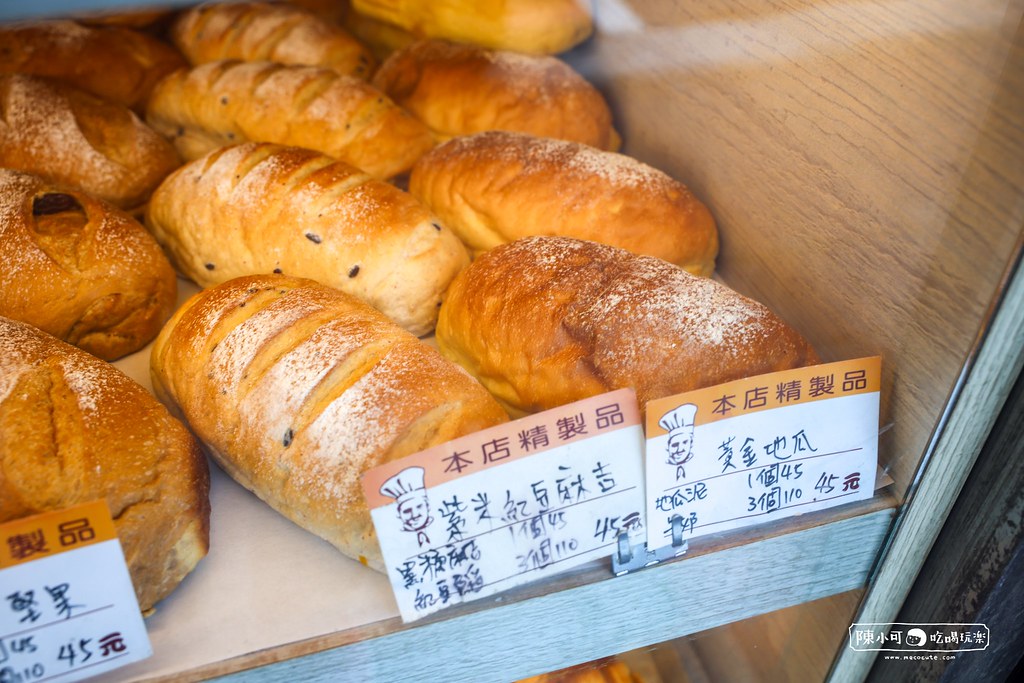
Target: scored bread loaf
464, 89
546, 321
74, 429
270, 32
75, 138
261, 208
79, 268
297, 389
111, 62
228, 102
495, 187
531, 26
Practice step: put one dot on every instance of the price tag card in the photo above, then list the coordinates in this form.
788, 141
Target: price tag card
761, 448
510, 504
68, 608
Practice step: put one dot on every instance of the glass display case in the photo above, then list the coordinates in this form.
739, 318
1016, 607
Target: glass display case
865, 164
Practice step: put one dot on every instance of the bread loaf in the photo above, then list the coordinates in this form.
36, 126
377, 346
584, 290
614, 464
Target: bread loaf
111, 62
495, 187
262, 208
271, 32
71, 137
79, 268
74, 429
463, 89
531, 26
229, 102
297, 389
546, 321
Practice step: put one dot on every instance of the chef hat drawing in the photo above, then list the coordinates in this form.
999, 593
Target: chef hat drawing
404, 485
679, 418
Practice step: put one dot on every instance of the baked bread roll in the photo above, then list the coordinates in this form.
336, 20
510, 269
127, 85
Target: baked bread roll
495, 187
463, 89
546, 321
297, 389
111, 62
229, 102
531, 26
261, 208
381, 37
80, 269
74, 429
268, 32
74, 138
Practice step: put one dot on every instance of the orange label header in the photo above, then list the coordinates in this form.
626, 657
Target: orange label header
562, 426
50, 533
766, 392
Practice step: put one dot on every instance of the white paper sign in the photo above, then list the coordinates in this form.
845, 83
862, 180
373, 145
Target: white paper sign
511, 504
68, 608
762, 448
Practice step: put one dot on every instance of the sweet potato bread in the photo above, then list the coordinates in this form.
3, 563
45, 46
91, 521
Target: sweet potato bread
75, 138
270, 32
297, 389
546, 321
74, 429
114, 63
262, 208
495, 187
229, 102
533, 26
464, 89
79, 268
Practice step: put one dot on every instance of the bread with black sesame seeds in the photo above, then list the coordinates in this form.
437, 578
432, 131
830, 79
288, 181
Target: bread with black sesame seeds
228, 102
79, 268
264, 208
297, 389
271, 32
74, 429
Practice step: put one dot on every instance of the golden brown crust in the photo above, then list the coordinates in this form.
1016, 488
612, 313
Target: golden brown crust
77, 139
262, 208
79, 268
546, 321
114, 63
228, 102
270, 32
74, 429
532, 26
463, 89
495, 187
297, 389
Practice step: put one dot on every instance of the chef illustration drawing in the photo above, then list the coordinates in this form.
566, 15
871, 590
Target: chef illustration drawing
679, 425
408, 490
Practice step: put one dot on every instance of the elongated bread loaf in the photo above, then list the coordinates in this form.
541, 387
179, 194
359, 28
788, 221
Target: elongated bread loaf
74, 429
261, 208
270, 32
463, 89
113, 63
532, 26
297, 389
546, 321
74, 138
495, 187
229, 102
80, 269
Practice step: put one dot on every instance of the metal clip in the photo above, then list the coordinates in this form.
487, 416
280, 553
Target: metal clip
629, 558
